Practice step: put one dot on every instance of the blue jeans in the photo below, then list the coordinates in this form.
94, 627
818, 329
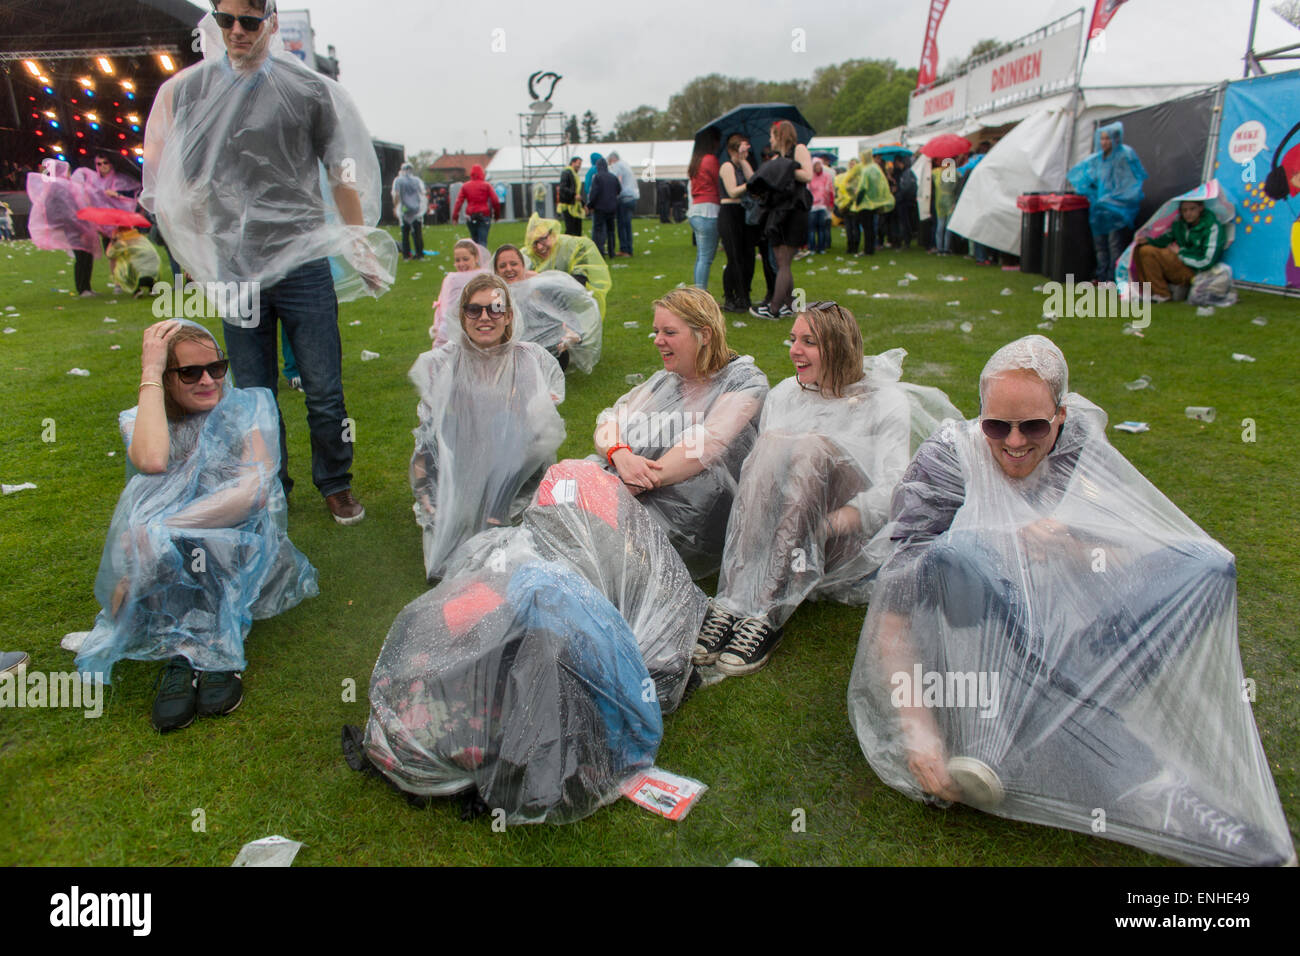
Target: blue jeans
602, 232
478, 229
625, 209
706, 247
819, 230
304, 301
1109, 247
941, 233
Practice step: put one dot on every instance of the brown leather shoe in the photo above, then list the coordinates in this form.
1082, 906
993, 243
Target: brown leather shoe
345, 508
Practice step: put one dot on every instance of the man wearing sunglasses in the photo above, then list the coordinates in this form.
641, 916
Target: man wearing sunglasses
248, 156
1018, 652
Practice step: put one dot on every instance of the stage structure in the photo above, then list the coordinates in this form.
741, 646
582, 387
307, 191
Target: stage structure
545, 147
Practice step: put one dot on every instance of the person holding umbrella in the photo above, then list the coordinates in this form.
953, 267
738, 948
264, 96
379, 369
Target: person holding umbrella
946, 146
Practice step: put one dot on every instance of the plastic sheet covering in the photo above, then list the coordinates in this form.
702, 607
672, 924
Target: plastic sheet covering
1113, 184
1066, 645
488, 429
817, 456
1213, 287
242, 167
583, 517
519, 680
558, 314
716, 422
97, 188
53, 221
197, 553
576, 255
132, 257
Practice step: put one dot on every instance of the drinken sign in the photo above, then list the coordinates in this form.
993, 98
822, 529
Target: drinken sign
1046, 65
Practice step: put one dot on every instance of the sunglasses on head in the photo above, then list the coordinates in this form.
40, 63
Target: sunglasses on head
1034, 429
473, 310
190, 374
250, 24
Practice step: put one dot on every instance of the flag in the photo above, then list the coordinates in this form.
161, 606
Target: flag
1101, 14
930, 49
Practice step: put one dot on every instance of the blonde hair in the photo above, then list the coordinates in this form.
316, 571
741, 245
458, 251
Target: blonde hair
785, 137
839, 342
488, 280
186, 333
469, 244
699, 311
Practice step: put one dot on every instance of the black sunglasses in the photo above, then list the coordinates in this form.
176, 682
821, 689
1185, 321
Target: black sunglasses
1034, 429
473, 310
189, 374
227, 21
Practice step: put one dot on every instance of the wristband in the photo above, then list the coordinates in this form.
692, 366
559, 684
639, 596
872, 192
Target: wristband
158, 384
609, 455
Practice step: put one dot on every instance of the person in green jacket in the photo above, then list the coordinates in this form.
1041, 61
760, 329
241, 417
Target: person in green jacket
945, 201
869, 194
576, 255
1194, 243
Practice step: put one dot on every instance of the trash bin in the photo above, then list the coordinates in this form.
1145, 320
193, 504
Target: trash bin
1067, 249
1031, 231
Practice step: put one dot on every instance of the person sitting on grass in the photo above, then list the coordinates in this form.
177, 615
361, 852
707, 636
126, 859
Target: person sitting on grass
488, 425
1053, 641
814, 493
468, 260
576, 255
1194, 244
134, 261
554, 309
197, 548
678, 439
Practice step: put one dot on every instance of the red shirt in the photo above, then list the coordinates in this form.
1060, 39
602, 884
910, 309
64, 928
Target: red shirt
479, 199
704, 184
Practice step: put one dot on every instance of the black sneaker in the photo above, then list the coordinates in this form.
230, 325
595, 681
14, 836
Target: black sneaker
715, 632
752, 643
761, 312
173, 708
220, 692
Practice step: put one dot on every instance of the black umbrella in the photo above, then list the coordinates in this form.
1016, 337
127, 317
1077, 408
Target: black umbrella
754, 122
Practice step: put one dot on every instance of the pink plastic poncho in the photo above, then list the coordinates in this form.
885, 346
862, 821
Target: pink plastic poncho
53, 221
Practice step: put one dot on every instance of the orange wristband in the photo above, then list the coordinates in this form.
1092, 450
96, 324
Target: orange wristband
609, 455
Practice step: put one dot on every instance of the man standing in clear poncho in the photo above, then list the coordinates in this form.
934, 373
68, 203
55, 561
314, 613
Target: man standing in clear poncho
1052, 640
264, 179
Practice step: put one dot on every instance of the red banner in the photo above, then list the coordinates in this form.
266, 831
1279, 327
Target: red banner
930, 49
1101, 14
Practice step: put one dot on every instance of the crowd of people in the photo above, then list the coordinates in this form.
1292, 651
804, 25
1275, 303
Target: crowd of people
564, 617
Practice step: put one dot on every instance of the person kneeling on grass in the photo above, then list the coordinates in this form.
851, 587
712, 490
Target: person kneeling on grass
814, 493
555, 311
488, 424
1053, 641
197, 547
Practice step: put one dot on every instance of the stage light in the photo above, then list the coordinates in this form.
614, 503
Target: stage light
32, 68
82, 151
50, 113
49, 91
166, 63
105, 64
80, 135
86, 82
92, 117
133, 117
128, 85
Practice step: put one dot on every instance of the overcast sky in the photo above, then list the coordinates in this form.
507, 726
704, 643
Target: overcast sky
425, 74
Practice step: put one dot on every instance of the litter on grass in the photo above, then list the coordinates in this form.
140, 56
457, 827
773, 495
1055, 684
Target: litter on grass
1259, 320
739, 325
1133, 427
114, 348
636, 378
904, 282
955, 302
856, 292
10, 330
966, 327
80, 372
355, 322
908, 275
995, 311
1242, 357
268, 851
1139, 383
741, 861
664, 793
1049, 325
630, 324
367, 355
10, 489
107, 319
1006, 292
880, 295
1205, 310
1202, 413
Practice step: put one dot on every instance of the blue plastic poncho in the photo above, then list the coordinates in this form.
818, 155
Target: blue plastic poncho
518, 680
488, 428
197, 553
1113, 184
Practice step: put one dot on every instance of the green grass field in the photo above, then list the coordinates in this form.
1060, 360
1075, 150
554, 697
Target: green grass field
112, 791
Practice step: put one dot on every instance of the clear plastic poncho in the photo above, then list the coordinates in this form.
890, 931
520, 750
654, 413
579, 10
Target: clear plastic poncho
244, 167
488, 429
1113, 184
815, 492
716, 422
584, 518
576, 255
1066, 647
132, 257
53, 221
197, 553
97, 189
559, 315
520, 681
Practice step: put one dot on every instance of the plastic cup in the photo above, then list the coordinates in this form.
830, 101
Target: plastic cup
1202, 413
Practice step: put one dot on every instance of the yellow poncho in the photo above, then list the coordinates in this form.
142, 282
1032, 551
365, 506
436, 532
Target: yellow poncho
132, 257
576, 255
868, 187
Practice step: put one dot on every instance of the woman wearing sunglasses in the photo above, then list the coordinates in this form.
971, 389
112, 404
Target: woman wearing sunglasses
555, 311
488, 425
197, 547
814, 494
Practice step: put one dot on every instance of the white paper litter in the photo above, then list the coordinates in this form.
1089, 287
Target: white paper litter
107, 319
739, 325
1259, 320
966, 327
880, 295
11, 489
630, 324
955, 302
1133, 427
268, 851
1242, 357
1006, 292
10, 330
1205, 310
81, 372
667, 794
355, 322
367, 355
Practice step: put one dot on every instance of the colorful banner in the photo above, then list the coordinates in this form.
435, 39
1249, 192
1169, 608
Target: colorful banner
930, 48
295, 30
1101, 14
1257, 162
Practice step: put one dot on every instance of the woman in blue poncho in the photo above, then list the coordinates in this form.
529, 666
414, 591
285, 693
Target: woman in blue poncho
1111, 178
197, 548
